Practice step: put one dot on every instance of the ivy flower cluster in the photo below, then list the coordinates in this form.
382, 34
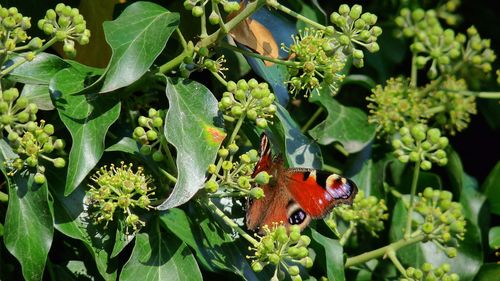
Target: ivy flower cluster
285, 251
251, 99
65, 24
33, 147
421, 145
369, 212
150, 135
119, 188
319, 62
396, 105
236, 177
441, 220
321, 54
428, 272
13, 26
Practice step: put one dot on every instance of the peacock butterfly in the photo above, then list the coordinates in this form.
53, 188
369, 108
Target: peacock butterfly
294, 196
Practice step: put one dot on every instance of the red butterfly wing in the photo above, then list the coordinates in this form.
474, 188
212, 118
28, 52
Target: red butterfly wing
318, 192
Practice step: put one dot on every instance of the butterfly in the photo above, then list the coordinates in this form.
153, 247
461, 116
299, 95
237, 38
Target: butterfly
294, 196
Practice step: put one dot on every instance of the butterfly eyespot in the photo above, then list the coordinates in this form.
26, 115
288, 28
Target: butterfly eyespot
297, 217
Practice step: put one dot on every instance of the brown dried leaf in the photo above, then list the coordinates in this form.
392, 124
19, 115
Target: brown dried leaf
257, 37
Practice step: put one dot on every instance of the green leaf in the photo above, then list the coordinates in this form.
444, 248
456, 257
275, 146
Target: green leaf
38, 71
137, 37
494, 237
360, 79
38, 94
159, 257
214, 248
87, 116
72, 219
274, 75
488, 272
300, 151
190, 127
126, 144
334, 254
28, 229
491, 189
347, 125
455, 171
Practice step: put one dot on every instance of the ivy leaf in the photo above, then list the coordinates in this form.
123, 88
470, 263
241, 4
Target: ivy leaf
38, 94
72, 219
300, 151
334, 254
159, 257
190, 127
494, 237
38, 71
491, 189
137, 37
28, 222
214, 248
126, 144
87, 117
347, 125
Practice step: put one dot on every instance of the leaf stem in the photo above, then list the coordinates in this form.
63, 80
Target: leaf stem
173, 63
347, 233
484, 95
220, 78
168, 175
383, 250
413, 79
181, 38
219, 33
278, 6
392, 256
414, 182
255, 55
311, 120
434, 110
231, 223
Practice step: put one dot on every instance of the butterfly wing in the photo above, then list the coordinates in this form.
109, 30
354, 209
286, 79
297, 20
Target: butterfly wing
318, 192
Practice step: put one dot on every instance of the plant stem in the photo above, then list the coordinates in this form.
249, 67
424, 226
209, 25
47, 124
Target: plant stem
298, 16
255, 55
220, 78
181, 38
347, 233
231, 223
414, 182
434, 110
4, 197
484, 95
173, 63
168, 175
331, 169
413, 79
236, 128
382, 251
311, 120
392, 256
219, 33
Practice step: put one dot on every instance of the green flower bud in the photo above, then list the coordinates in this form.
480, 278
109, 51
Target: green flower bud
293, 270
261, 123
151, 135
257, 193
252, 114
158, 156
451, 252
227, 165
443, 142
139, 132
426, 165
344, 9
426, 267
262, 178
427, 228
414, 156
236, 111
59, 144
257, 266
211, 186
39, 178
59, 162
244, 182
132, 219
23, 117
307, 262
223, 152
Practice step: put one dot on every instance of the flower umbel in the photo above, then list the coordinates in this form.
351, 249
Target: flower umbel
120, 188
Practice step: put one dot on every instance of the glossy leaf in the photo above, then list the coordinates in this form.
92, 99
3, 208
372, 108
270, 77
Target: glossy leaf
159, 257
491, 189
300, 151
334, 254
28, 229
40, 70
126, 144
190, 126
494, 237
275, 76
72, 219
38, 94
488, 271
214, 248
87, 117
344, 124
137, 37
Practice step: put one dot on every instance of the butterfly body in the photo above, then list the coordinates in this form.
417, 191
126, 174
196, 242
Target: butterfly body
294, 196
